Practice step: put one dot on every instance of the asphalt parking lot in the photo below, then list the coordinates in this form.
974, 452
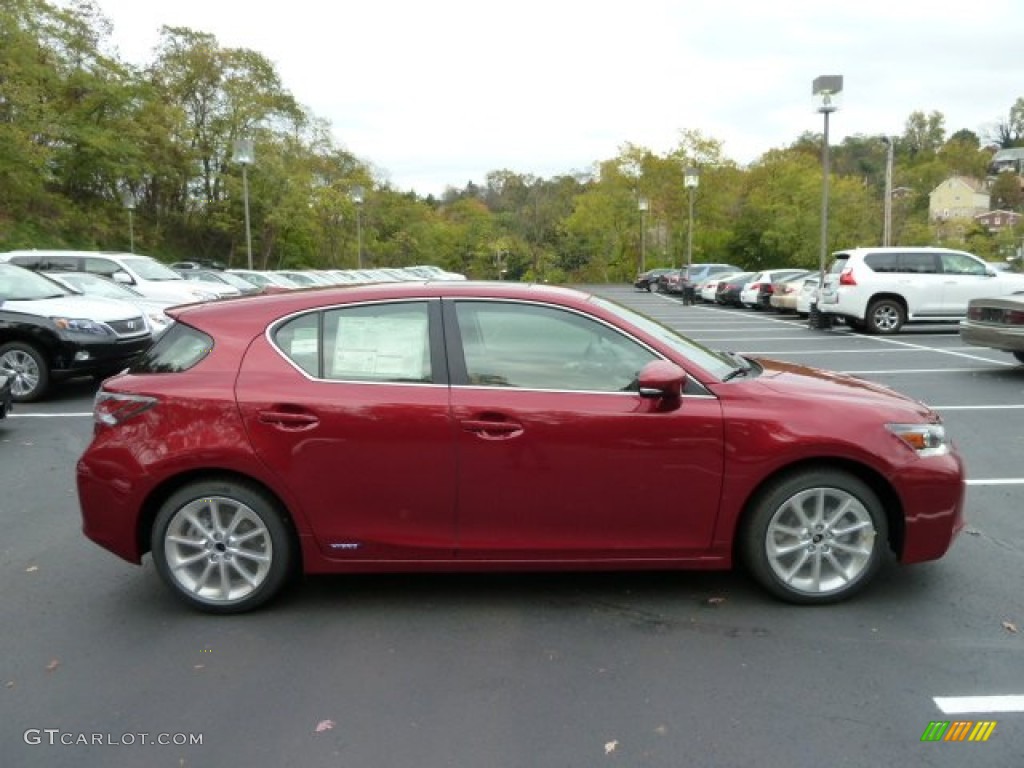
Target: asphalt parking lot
682, 669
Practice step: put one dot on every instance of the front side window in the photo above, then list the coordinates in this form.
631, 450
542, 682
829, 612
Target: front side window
528, 346
961, 264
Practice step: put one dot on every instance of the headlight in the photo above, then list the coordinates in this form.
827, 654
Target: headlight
158, 321
203, 295
80, 326
925, 439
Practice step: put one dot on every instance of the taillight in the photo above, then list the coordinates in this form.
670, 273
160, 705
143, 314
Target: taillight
113, 408
1014, 317
846, 277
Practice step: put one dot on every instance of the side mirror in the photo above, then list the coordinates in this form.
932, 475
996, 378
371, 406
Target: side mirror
123, 277
662, 379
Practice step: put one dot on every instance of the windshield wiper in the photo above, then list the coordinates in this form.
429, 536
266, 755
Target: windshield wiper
742, 366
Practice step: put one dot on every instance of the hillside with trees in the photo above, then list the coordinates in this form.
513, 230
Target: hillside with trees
82, 133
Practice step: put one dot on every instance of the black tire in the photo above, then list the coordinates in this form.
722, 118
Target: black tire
885, 316
28, 369
1019, 356
787, 536
210, 570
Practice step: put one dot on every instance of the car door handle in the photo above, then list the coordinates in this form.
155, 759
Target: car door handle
288, 419
493, 430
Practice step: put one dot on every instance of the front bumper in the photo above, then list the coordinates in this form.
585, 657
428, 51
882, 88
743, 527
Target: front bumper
77, 358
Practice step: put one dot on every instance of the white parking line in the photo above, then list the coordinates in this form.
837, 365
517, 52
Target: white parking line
997, 481
921, 370
965, 705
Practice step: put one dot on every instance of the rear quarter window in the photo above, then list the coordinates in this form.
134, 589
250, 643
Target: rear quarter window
180, 348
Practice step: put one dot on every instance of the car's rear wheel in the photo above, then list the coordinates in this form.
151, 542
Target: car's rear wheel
885, 316
817, 536
30, 375
222, 546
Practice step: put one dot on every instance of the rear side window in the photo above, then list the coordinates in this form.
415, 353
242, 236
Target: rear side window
373, 342
839, 263
180, 348
101, 266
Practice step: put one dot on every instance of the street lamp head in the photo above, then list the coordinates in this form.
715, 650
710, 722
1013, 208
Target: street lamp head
642, 205
244, 153
825, 90
357, 195
691, 177
128, 199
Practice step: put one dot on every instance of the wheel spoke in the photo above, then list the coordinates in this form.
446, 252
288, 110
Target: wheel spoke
225, 579
256, 557
185, 562
203, 577
837, 567
186, 541
251, 580
788, 577
860, 551
844, 532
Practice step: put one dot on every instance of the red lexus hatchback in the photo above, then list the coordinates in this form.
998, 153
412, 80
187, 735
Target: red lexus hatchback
497, 426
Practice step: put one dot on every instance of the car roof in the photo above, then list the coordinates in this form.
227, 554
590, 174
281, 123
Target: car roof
261, 309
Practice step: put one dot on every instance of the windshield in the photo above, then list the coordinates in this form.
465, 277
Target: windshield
98, 286
17, 284
149, 269
713, 362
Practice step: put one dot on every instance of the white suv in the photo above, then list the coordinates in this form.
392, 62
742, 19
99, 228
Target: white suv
880, 289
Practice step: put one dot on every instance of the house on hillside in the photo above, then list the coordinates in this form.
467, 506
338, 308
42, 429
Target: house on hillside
1007, 161
958, 197
997, 221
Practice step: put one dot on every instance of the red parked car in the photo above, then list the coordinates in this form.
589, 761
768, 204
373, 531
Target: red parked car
497, 426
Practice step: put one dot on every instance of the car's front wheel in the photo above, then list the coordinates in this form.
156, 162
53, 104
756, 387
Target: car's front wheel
28, 370
223, 546
816, 536
885, 316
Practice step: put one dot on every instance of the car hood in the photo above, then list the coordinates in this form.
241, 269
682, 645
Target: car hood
79, 307
815, 384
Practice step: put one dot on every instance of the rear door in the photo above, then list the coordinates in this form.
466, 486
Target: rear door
349, 408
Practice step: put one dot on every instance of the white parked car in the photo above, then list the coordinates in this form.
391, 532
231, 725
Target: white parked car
756, 293
145, 274
807, 296
707, 290
95, 286
881, 289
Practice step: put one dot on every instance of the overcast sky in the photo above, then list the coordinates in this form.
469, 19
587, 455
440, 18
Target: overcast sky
437, 93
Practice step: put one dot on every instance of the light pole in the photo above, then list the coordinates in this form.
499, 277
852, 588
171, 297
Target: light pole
887, 227
691, 178
357, 198
244, 156
826, 90
128, 200
642, 205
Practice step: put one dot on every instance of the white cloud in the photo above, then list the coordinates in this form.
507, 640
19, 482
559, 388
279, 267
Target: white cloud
441, 93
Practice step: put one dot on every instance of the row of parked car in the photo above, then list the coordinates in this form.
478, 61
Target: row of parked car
876, 290
68, 314
785, 290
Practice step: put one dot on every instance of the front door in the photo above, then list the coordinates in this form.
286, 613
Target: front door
559, 457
